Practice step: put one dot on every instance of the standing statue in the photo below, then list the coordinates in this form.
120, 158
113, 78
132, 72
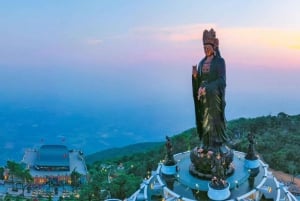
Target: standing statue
169, 160
209, 82
251, 153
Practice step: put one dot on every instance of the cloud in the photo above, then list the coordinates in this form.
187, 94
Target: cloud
9, 145
94, 42
244, 46
296, 46
104, 143
155, 44
261, 37
261, 46
179, 33
103, 135
129, 134
236, 36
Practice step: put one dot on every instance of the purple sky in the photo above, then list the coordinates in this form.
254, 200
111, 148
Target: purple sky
120, 54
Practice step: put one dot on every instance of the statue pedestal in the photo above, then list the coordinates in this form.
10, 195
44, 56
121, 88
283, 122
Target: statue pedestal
169, 169
218, 193
251, 164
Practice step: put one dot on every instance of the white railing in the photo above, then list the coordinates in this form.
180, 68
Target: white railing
259, 185
169, 195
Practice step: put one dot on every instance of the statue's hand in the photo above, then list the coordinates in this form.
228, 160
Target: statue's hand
201, 92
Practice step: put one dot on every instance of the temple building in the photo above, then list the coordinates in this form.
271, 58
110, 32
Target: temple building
54, 163
52, 158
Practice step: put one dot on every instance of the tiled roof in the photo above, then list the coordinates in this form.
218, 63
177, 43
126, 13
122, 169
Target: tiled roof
53, 155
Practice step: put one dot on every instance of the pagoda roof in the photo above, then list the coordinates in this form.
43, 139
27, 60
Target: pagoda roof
53, 156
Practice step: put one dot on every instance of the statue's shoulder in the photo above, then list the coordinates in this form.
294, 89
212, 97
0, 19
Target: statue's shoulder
219, 60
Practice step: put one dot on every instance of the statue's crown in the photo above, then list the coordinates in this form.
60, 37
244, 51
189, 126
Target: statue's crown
209, 37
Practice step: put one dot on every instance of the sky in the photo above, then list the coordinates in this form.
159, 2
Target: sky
126, 56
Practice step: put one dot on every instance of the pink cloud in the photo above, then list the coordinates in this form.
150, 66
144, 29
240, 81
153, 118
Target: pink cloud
94, 42
242, 45
262, 46
181, 33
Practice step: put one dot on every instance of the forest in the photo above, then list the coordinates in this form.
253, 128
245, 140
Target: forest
277, 142
118, 173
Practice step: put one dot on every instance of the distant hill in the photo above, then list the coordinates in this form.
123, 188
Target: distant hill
277, 142
123, 151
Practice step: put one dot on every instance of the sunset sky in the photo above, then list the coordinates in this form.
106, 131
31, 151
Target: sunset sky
132, 53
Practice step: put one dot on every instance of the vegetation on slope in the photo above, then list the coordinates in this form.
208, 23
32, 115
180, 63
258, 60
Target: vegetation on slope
277, 142
119, 152
277, 139
118, 173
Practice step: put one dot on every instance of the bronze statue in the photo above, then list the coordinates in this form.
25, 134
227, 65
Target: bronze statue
209, 82
251, 153
212, 159
169, 159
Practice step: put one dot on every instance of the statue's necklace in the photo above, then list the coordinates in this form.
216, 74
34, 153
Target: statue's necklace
206, 65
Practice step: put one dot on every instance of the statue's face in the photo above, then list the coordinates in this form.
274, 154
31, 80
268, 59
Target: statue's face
208, 50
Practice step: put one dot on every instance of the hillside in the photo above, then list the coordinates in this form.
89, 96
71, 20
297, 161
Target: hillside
277, 143
277, 139
123, 151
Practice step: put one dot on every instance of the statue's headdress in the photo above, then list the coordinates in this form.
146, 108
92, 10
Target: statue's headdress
209, 37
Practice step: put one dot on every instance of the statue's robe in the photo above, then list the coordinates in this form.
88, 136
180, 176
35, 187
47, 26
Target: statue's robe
210, 108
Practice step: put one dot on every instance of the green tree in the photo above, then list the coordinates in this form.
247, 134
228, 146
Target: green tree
26, 178
97, 182
124, 185
75, 176
17, 171
14, 171
292, 170
1, 173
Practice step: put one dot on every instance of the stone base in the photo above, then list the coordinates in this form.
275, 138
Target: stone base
198, 174
252, 164
169, 170
218, 193
202, 162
